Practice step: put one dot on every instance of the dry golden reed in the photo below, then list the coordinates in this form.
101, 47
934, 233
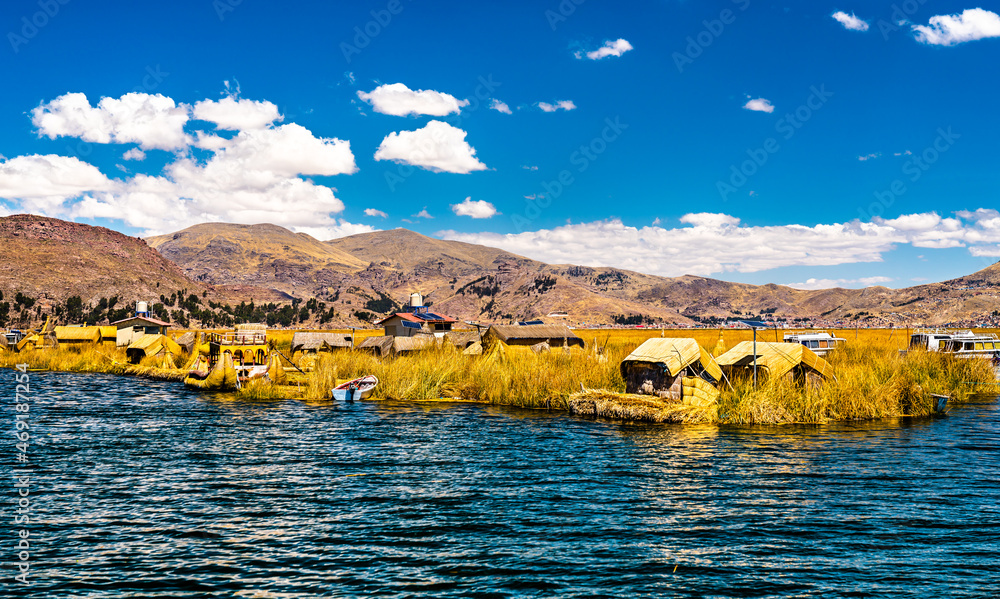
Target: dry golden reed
872, 379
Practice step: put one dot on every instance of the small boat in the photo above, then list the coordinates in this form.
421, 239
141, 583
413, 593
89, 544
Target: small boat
961, 344
820, 343
357, 389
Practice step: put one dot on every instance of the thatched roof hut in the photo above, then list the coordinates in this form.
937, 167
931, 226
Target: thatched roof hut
556, 335
406, 345
187, 341
151, 345
380, 345
658, 366
316, 342
462, 339
79, 335
774, 360
109, 335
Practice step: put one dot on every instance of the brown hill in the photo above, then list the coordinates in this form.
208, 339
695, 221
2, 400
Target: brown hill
50, 258
256, 255
477, 282
363, 276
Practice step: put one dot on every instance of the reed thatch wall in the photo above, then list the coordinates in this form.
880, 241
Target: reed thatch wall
380, 346
556, 335
320, 341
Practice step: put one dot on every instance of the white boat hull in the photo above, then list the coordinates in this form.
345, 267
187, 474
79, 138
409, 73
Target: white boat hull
361, 388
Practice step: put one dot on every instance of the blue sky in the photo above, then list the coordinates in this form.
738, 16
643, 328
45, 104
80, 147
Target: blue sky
799, 143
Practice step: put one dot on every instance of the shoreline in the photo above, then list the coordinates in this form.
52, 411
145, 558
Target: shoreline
874, 382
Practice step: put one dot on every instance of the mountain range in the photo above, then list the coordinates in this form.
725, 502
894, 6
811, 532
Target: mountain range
367, 275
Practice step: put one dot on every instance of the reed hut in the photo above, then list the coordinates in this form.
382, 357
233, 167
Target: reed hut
671, 368
402, 346
151, 345
187, 341
380, 345
303, 343
78, 336
462, 339
555, 335
775, 360
109, 336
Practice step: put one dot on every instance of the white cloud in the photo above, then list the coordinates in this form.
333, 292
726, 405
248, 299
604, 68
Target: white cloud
499, 106
255, 176
811, 284
134, 154
398, 100
560, 105
152, 121
948, 30
237, 115
341, 228
44, 183
610, 48
759, 105
869, 157
849, 21
437, 147
529, 167
718, 243
475, 209
288, 150
422, 214
375, 212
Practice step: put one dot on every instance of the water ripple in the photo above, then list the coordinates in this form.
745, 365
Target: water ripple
146, 489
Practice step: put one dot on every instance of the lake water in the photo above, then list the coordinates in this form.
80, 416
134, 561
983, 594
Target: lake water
146, 489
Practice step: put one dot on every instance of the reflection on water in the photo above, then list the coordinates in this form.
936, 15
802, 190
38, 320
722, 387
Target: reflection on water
147, 489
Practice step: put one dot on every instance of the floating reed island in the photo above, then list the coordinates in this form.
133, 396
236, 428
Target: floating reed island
621, 375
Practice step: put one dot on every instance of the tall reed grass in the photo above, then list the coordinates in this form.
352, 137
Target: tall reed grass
872, 379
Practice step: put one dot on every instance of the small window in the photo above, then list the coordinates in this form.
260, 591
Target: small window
823, 344
979, 345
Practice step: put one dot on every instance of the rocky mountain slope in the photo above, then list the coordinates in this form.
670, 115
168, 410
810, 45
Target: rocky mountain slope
268, 256
357, 279
47, 257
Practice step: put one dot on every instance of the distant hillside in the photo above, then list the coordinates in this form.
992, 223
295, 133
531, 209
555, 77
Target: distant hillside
297, 280
259, 255
478, 282
47, 257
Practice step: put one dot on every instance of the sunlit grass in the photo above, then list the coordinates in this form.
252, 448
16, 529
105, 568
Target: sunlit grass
872, 379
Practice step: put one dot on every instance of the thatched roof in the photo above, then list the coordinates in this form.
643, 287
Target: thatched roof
79, 334
251, 326
674, 355
777, 359
187, 341
553, 334
319, 341
462, 339
402, 345
152, 345
109, 332
380, 345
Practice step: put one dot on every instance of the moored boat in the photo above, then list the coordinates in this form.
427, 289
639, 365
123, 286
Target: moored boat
360, 388
961, 344
820, 343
